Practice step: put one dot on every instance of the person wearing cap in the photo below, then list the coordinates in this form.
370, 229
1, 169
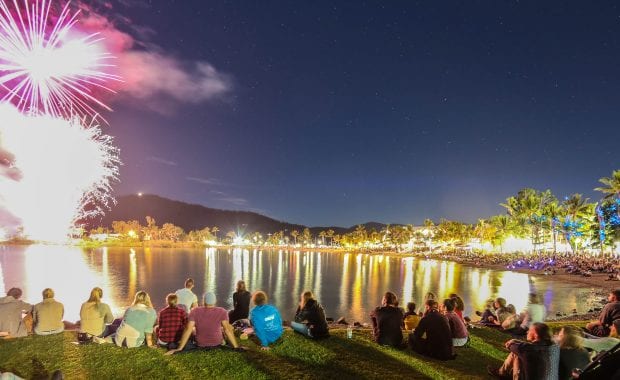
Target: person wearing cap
211, 323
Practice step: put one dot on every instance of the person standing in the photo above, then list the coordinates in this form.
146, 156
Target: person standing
47, 315
186, 297
241, 303
11, 310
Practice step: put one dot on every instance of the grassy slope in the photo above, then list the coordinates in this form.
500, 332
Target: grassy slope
295, 357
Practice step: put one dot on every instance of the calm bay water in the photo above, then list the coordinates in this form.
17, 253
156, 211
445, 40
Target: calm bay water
347, 284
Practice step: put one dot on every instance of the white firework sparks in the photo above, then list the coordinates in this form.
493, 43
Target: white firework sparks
48, 67
66, 169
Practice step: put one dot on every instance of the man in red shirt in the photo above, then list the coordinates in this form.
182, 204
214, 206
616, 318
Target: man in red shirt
210, 322
172, 320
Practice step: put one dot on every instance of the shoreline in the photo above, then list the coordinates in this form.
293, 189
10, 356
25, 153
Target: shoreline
597, 280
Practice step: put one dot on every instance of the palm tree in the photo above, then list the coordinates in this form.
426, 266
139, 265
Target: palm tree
611, 189
215, 230
612, 185
322, 235
429, 228
503, 229
294, 234
526, 211
553, 212
576, 209
330, 234
360, 234
306, 235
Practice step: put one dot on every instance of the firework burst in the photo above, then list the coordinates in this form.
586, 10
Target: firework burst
55, 170
46, 65
65, 172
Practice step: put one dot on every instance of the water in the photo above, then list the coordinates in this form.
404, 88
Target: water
347, 284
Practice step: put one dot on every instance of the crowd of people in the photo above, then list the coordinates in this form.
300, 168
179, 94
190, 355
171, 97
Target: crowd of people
186, 324
540, 356
545, 263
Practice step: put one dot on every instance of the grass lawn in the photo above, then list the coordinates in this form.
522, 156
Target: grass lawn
294, 358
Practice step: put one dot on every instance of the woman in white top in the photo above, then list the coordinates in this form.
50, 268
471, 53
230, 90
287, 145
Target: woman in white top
95, 315
534, 312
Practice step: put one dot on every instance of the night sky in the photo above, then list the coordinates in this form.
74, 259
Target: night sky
345, 112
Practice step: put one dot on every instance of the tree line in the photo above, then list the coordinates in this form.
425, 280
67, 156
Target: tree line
538, 216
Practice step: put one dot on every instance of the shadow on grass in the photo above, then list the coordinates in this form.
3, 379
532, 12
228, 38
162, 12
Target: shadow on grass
38, 370
342, 358
294, 357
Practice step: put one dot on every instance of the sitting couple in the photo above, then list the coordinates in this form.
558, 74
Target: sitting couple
211, 322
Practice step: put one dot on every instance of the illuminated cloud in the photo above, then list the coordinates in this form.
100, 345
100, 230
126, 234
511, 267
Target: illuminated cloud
157, 79
234, 200
205, 181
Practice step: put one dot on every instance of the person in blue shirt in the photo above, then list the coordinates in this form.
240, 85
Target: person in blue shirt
266, 320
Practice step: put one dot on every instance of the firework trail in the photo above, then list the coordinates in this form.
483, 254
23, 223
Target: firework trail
55, 169
46, 65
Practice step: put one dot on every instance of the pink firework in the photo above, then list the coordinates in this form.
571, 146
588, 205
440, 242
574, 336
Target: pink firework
46, 65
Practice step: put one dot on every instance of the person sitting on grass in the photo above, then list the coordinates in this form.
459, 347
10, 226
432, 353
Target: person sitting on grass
459, 305
610, 313
488, 313
537, 358
265, 320
241, 303
95, 315
428, 296
508, 318
310, 317
212, 326
534, 312
598, 344
411, 317
460, 336
492, 318
12, 325
387, 321
433, 337
572, 353
137, 324
186, 298
47, 315
171, 323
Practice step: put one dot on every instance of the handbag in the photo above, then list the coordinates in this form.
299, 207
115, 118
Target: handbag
84, 338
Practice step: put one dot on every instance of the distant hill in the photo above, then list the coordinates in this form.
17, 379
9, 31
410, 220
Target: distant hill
194, 217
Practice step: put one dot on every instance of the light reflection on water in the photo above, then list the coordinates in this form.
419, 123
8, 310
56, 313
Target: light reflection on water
348, 284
